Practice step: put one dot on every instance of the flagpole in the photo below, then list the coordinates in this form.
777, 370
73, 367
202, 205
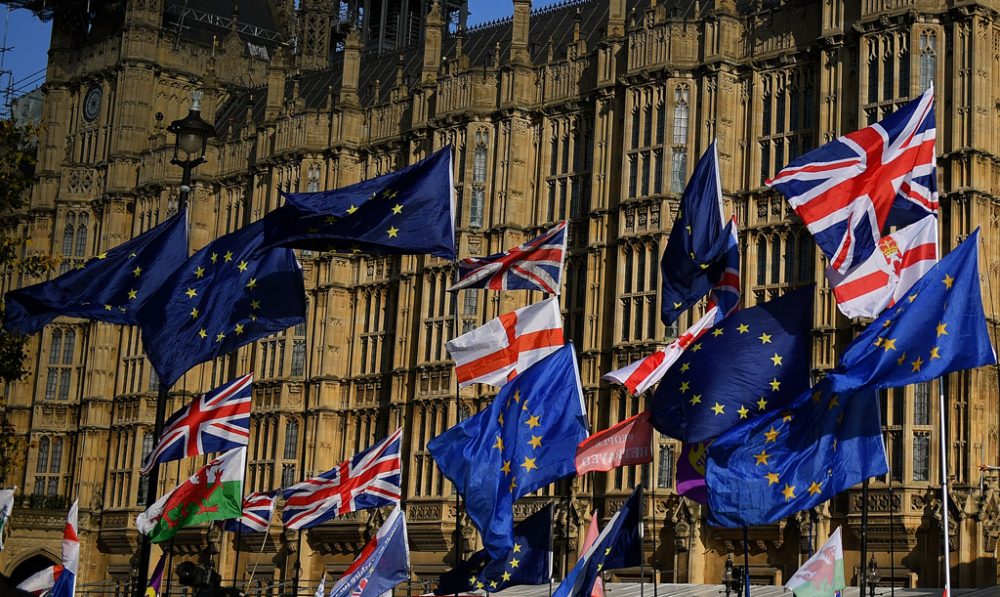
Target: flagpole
944, 490
236, 562
652, 494
892, 539
862, 577
305, 442
746, 561
642, 547
459, 548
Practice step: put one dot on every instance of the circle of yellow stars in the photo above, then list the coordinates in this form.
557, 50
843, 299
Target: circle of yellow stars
244, 271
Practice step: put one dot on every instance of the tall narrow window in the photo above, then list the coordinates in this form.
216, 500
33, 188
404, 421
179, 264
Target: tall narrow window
42, 466
83, 222
904, 67
779, 121
922, 404
647, 137
888, 70
298, 357
67, 242
928, 59
678, 170
633, 175
635, 128
873, 63
775, 260
761, 260
921, 456
681, 112
661, 123
665, 468
291, 440
478, 183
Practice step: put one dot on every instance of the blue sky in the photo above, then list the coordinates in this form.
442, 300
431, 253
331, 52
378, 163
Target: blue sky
28, 39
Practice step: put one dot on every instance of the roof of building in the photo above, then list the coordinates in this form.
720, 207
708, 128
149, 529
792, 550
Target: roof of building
479, 44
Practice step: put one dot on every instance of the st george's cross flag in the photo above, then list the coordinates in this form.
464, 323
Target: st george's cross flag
888, 273
823, 574
65, 584
214, 492
494, 353
369, 480
216, 422
384, 562
849, 190
639, 376
626, 443
42, 581
535, 265
258, 507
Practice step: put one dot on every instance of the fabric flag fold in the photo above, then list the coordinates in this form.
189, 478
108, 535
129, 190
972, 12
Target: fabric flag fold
691, 463
42, 580
368, 480
639, 376
506, 346
938, 328
887, 275
823, 574
849, 190
156, 578
258, 508
65, 583
529, 562
726, 293
534, 265
384, 562
6, 507
752, 362
524, 440
216, 422
108, 288
695, 257
225, 296
409, 211
629, 442
593, 532
214, 492
794, 458
321, 589
618, 546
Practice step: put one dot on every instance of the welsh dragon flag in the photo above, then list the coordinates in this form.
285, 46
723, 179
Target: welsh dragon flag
823, 574
215, 492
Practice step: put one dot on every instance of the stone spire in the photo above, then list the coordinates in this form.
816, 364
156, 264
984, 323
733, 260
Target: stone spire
519, 54
432, 44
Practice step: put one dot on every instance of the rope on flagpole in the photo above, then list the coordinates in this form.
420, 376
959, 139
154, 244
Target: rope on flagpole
256, 561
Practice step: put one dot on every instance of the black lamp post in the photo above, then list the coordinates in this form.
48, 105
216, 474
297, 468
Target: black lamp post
873, 576
732, 578
192, 134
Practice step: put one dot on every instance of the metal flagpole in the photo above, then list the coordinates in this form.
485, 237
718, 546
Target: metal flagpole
652, 514
944, 490
862, 577
642, 546
236, 561
746, 561
892, 539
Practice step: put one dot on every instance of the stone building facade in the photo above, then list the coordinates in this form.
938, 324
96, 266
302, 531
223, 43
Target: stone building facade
593, 111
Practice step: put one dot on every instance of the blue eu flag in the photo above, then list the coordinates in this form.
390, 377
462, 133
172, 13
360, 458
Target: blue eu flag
938, 328
529, 561
750, 363
796, 458
226, 295
695, 257
618, 546
108, 288
524, 440
409, 211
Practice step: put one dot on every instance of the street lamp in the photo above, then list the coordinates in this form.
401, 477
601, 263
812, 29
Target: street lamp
732, 577
192, 133
873, 576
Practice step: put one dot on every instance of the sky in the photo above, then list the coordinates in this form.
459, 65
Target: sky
27, 39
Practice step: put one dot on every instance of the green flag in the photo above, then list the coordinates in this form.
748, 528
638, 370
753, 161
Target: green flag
823, 574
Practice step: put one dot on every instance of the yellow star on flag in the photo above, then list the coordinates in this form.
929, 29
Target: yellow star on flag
505, 576
514, 562
397, 209
718, 409
506, 467
815, 488
220, 337
393, 232
743, 328
493, 584
678, 305
775, 385
199, 272
772, 478
499, 443
889, 344
744, 411
202, 333
528, 464
513, 485
238, 329
917, 364
788, 492
242, 266
771, 435
228, 256
517, 548
776, 359
330, 219
765, 338
942, 329
685, 386
252, 283
214, 257
901, 359
137, 271
685, 367
762, 457
255, 304
107, 307
102, 256
191, 293
934, 353
532, 422
696, 399
194, 313
717, 332
132, 294
834, 403
696, 347
761, 404
948, 281
535, 441
353, 208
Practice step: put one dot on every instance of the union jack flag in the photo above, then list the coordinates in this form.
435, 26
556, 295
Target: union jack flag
369, 480
217, 422
849, 190
257, 510
535, 265
726, 293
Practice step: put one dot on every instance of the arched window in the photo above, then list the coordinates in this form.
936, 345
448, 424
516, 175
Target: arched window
67, 242
69, 345
81, 235
682, 95
761, 260
291, 440
55, 462
775, 259
55, 348
888, 71
928, 59
43, 456
478, 182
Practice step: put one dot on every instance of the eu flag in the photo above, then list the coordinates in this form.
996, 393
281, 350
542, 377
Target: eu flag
695, 257
618, 546
939, 328
108, 288
794, 459
751, 362
409, 211
226, 295
524, 440
529, 561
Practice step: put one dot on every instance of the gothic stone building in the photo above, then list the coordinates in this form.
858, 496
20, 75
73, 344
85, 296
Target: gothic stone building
593, 111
